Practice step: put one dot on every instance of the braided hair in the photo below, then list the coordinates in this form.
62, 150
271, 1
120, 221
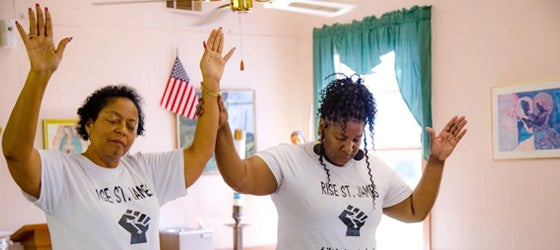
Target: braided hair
346, 100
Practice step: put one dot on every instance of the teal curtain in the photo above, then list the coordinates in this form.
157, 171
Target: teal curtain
360, 44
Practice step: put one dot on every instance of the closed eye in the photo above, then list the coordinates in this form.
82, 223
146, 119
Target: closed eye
112, 121
131, 127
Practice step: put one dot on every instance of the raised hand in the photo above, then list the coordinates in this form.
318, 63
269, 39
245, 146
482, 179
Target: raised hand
212, 63
442, 145
43, 56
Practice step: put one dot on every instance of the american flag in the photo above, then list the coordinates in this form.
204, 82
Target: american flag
179, 95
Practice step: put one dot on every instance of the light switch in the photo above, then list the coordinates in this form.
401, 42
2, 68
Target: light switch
7, 33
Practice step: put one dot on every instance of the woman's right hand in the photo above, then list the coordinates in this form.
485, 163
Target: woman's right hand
212, 62
43, 56
224, 116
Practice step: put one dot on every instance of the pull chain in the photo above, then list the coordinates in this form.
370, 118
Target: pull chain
241, 64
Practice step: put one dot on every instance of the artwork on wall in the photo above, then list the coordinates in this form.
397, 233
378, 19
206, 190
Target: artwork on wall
240, 105
526, 120
60, 134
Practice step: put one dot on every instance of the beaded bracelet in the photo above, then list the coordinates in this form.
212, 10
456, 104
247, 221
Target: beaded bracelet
208, 92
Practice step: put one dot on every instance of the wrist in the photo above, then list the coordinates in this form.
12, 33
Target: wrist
435, 160
211, 84
223, 126
40, 74
215, 92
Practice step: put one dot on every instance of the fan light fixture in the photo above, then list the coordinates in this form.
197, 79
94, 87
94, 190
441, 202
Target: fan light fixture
241, 6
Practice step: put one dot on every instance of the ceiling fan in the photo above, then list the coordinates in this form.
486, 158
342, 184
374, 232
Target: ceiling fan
327, 8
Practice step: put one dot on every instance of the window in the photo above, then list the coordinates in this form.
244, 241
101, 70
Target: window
397, 142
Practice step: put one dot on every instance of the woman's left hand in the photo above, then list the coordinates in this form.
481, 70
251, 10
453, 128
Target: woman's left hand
442, 145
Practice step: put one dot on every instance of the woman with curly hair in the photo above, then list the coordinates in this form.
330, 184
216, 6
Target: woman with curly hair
331, 194
104, 198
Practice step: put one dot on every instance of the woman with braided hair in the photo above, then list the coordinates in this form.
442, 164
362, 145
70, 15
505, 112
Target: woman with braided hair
331, 194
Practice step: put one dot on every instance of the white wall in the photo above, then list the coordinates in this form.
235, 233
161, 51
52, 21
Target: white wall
488, 204
476, 44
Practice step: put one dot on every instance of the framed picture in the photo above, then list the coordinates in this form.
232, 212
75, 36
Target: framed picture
61, 135
240, 105
526, 120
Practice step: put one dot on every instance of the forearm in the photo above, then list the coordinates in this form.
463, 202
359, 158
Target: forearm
229, 164
204, 140
19, 136
425, 194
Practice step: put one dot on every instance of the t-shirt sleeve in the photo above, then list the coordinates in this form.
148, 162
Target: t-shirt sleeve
52, 189
273, 158
397, 189
167, 173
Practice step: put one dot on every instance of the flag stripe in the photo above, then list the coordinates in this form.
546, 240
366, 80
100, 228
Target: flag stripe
165, 93
176, 88
191, 100
181, 94
184, 102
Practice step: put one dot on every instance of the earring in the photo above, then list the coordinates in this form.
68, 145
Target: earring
317, 148
359, 155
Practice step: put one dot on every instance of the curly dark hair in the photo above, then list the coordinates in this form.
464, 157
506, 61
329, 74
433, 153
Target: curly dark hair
94, 103
346, 100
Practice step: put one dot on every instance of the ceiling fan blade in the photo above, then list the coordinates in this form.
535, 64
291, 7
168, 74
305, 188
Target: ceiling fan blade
126, 2
213, 15
139, 1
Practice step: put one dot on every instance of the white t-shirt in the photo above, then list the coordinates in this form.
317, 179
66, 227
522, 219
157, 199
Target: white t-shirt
315, 215
91, 207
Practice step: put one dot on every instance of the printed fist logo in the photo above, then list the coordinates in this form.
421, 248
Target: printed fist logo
354, 219
137, 224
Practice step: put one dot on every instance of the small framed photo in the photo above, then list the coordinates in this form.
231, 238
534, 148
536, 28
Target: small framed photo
61, 134
526, 120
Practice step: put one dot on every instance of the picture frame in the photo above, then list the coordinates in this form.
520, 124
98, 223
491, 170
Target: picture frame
240, 104
526, 120
61, 134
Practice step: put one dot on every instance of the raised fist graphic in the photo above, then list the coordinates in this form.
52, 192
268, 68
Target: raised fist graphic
354, 219
137, 224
